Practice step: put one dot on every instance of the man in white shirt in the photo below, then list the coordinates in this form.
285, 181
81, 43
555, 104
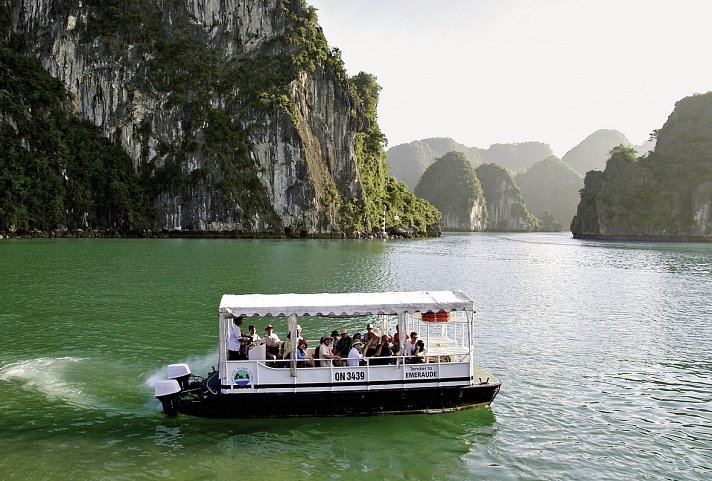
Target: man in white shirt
272, 341
235, 339
411, 348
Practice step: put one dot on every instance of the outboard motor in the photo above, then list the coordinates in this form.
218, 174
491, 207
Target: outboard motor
168, 392
179, 372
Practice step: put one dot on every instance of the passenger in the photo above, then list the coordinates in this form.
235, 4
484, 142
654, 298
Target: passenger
235, 341
302, 357
287, 347
334, 339
413, 349
252, 331
317, 353
372, 344
384, 353
343, 346
355, 357
272, 342
369, 331
396, 341
326, 356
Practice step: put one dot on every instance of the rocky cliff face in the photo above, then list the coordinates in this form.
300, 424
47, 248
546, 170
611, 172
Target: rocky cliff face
506, 209
241, 148
665, 195
451, 185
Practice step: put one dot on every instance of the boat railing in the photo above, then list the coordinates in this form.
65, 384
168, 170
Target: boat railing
423, 358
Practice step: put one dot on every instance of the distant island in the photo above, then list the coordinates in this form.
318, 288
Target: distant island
544, 191
664, 195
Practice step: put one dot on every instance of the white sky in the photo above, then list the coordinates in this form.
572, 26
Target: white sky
555, 71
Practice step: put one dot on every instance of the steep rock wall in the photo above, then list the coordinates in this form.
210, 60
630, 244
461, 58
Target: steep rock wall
151, 78
506, 209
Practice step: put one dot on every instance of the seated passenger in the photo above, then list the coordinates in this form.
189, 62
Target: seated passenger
355, 357
272, 342
372, 344
326, 356
413, 349
343, 346
396, 341
384, 353
369, 332
302, 357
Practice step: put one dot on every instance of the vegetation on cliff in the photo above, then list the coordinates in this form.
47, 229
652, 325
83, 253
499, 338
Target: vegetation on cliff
550, 189
451, 185
56, 170
666, 194
403, 209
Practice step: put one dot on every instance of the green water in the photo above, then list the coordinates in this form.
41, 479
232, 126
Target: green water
604, 350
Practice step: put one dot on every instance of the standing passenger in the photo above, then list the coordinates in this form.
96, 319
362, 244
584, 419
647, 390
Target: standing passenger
235, 340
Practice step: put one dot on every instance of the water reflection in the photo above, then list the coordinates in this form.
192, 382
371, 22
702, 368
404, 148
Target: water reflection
379, 447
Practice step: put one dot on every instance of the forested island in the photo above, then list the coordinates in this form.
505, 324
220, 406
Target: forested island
664, 195
200, 118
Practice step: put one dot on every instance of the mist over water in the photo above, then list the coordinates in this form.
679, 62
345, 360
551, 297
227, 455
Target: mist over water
603, 349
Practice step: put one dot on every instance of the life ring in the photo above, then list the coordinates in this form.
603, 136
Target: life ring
440, 316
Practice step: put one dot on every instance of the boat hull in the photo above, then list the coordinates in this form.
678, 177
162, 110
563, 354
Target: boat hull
341, 403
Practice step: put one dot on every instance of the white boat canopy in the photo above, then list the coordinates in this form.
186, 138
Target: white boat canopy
346, 304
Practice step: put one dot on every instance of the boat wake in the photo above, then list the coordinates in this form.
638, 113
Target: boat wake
49, 376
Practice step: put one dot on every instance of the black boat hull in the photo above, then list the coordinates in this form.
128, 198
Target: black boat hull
340, 403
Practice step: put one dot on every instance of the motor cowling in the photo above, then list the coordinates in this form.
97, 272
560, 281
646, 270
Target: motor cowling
168, 392
179, 372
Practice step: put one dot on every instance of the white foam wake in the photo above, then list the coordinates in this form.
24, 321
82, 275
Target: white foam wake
48, 376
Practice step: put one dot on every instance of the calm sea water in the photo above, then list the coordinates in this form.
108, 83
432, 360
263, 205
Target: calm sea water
604, 350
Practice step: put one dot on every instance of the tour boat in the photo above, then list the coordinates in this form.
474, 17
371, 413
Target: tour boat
440, 376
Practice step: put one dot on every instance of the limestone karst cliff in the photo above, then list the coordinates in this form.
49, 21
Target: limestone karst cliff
664, 195
451, 185
550, 189
237, 111
506, 209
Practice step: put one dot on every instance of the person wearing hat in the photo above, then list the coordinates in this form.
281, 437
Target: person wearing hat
343, 346
355, 357
272, 341
374, 339
334, 338
369, 332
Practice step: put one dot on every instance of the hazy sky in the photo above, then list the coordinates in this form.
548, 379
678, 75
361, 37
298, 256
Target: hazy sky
488, 71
